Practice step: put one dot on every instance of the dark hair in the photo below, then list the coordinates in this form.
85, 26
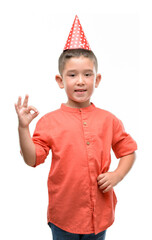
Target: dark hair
69, 53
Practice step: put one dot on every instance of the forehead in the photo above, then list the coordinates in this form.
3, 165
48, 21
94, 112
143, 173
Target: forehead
79, 63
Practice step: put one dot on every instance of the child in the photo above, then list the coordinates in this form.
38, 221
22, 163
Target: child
80, 135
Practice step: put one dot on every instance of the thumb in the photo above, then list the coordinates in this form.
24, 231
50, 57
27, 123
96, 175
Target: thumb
35, 114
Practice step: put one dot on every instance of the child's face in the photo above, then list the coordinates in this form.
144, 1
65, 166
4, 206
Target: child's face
79, 79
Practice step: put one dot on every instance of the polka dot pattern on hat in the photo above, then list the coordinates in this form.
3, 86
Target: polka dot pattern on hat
77, 37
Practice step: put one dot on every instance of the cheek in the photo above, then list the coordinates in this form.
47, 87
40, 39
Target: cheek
91, 87
68, 88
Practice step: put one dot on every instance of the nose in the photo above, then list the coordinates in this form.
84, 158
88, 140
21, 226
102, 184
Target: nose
80, 80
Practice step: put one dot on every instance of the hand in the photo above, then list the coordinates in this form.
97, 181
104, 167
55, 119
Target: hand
23, 112
107, 181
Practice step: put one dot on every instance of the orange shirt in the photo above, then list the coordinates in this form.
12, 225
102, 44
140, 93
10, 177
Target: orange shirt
80, 140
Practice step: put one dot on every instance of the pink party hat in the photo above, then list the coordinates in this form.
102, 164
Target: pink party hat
77, 37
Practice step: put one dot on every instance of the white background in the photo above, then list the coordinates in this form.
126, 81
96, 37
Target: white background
32, 36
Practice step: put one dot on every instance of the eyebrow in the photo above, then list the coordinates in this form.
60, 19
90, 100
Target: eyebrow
85, 70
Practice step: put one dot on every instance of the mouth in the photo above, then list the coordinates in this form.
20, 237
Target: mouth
80, 90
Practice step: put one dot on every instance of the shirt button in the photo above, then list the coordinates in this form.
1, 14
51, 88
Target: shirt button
84, 123
88, 142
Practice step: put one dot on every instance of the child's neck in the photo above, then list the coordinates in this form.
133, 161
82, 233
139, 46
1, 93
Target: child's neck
73, 104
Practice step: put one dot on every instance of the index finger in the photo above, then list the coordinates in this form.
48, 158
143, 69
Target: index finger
100, 176
19, 101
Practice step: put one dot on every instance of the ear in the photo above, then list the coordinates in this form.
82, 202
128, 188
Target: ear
98, 79
59, 80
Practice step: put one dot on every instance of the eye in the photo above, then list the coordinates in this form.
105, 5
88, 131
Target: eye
71, 75
88, 74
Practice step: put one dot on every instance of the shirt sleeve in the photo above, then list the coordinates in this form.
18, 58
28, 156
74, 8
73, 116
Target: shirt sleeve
41, 140
122, 143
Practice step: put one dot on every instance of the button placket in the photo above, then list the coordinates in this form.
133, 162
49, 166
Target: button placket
89, 141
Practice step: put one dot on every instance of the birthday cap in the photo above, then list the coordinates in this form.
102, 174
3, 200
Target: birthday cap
77, 37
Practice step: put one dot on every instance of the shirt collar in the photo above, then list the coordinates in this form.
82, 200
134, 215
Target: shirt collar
91, 107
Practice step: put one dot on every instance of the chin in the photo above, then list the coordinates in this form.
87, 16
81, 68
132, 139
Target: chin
80, 100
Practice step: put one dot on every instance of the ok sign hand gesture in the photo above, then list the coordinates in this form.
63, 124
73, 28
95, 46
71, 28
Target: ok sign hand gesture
24, 112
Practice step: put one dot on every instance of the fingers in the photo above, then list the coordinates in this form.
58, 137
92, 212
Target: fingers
25, 113
25, 103
104, 183
107, 189
31, 108
101, 179
18, 105
100, 176
19, 102
35, 115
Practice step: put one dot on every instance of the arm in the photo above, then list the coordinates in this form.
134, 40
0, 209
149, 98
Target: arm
26, 143
125, 164
27, 146
108, 180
